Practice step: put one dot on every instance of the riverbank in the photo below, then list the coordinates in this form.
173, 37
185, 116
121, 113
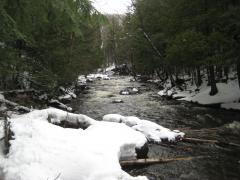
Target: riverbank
228, 96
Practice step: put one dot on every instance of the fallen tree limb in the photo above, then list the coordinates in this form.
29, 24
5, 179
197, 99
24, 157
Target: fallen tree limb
220, 143
144, 162
20, 91
15, 105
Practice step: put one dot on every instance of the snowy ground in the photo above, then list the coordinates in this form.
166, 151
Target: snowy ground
41, 150
228, 95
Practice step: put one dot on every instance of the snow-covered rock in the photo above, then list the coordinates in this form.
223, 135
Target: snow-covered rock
99, 76
135, 90
129, 91
124, 92
152, 131
117, 101
41, 150
82, 80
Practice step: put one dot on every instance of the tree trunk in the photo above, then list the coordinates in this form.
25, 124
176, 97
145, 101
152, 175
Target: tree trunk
214, 89
238, 72
226, 71
219, 73
199, 79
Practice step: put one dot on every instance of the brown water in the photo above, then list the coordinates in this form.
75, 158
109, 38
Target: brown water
220, 163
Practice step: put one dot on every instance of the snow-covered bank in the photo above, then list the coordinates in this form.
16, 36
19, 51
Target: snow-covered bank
228, 96
41, 150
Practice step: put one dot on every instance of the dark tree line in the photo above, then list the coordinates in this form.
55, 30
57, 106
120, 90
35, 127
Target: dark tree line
173, 37
47, 43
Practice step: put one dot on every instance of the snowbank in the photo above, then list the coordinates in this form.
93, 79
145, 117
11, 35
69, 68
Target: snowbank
41, 150
152, 131
228, 94
233, 106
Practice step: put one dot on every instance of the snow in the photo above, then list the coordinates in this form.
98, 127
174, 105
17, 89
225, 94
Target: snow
110, 68
98, 76
235, 106
41, 150
152, 131
228, 94
82, 80
2, 97
1, 128
125, 93
135, 90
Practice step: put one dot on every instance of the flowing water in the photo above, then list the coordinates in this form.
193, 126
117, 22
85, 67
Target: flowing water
216, 162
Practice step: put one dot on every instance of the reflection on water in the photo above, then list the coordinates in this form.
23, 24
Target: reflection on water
220, 163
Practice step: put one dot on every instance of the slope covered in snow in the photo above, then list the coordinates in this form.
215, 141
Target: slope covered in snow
228, 94
41, 150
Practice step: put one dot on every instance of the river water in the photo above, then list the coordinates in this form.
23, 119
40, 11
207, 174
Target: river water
216, 162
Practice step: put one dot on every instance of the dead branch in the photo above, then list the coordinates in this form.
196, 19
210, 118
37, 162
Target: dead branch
20, 91
144, 162
15, 105
202, 141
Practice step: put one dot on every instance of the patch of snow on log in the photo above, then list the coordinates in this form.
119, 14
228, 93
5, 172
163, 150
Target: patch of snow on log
152, 131
41, 150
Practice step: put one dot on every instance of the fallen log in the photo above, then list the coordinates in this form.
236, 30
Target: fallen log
15, 105
20, 91
145, 162
217, 142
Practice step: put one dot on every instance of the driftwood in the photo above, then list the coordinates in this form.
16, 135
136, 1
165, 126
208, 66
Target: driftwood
201, 141
20, 91
15, 105
145, 162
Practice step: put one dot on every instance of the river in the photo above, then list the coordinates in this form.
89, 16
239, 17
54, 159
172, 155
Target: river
217, 162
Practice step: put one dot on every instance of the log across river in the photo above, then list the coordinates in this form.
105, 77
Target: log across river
220, 162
